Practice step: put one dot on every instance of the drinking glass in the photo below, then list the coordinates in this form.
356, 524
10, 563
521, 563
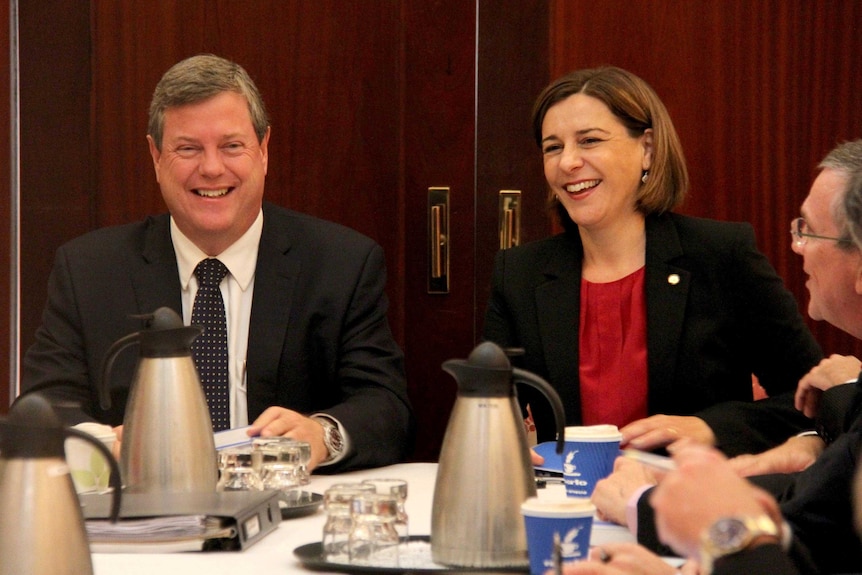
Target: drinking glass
239, 479
282, 477
234, 457
283, 450
336, 531
373, 538
397, 487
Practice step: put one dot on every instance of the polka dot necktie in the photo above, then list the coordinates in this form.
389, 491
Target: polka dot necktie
209, 349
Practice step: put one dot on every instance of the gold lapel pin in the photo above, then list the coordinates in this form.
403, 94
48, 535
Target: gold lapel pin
673, 279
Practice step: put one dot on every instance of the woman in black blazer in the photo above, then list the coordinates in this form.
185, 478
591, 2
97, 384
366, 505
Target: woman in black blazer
638, 316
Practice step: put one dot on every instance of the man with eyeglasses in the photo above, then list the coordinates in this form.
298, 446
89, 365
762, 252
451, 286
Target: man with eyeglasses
829, 257
739, 528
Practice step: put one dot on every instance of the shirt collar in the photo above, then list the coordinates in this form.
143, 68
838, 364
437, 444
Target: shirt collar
240, 258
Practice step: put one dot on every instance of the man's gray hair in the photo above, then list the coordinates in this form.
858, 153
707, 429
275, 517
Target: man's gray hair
197, 79
847, 159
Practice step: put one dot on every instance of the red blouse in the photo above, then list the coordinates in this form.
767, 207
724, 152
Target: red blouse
613, 351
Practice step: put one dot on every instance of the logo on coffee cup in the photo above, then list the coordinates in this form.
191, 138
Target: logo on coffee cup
568, 464
569, 548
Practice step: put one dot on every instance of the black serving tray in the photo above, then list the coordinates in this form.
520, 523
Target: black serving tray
414, 557
299, 504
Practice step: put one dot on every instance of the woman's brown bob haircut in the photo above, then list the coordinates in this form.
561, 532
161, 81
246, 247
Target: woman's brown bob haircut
639, 108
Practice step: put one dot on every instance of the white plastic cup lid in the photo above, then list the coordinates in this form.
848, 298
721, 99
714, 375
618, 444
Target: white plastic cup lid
593, 433
558, 507
104, 433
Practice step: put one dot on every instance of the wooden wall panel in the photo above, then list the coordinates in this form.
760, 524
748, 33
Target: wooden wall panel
55, 168
512, 70
5, 206
439, 139
759, 91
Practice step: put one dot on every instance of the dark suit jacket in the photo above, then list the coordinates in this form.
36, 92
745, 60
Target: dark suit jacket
319, 338
764, 559
818, 502
716, 313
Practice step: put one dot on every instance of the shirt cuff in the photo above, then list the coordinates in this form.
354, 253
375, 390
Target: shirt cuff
786, 536
632, 509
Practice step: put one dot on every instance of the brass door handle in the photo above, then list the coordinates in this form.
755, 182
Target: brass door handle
510, 218
438, 240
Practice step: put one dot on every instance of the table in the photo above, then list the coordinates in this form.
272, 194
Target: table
274, 553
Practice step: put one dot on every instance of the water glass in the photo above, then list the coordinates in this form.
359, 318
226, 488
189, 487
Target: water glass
239, 479
283, 450
397, 487
234, 457
373, 537
337, 502
282, 477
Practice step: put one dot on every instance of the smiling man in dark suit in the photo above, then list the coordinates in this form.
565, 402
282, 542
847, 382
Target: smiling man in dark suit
310, 351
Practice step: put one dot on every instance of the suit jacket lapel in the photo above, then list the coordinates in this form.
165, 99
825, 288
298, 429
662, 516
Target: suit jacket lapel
275, 278
156, 281
558, 310
667, 288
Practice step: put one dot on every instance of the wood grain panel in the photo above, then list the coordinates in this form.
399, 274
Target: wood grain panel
56, 185
439, 137
5, 207
759, 91
512, 70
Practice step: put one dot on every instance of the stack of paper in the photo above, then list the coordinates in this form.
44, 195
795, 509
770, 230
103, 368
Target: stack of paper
156, 534
168, 522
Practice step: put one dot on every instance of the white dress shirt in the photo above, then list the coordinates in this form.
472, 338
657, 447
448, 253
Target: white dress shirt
237, 289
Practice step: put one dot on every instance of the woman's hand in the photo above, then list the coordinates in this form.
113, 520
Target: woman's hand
535, 458
662, 430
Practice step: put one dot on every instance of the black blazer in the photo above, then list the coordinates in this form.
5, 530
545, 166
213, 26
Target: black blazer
716, 313
763, 559
817, 503
319, 338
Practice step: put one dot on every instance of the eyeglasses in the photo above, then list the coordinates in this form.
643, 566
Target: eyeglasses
799, 231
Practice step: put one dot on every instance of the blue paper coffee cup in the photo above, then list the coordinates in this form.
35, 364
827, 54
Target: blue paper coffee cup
569, 518
588, 456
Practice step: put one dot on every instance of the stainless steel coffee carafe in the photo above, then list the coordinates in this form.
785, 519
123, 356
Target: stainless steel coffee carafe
41, 526
167, 444
485, 471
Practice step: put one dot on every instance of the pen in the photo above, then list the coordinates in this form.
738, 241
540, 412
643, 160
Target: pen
558, 555
651, 459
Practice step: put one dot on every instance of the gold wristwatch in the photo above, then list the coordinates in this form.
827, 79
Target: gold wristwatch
731, 535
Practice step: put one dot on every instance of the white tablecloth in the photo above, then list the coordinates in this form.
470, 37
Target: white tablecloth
274, 553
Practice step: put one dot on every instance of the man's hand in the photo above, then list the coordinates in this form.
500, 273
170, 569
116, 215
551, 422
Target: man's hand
620, 559
834, 370
663, 430
793, 455
281, 422
612, 493
703, 489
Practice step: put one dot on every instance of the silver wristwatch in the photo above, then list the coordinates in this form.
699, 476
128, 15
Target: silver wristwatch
331, 438
730, 535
